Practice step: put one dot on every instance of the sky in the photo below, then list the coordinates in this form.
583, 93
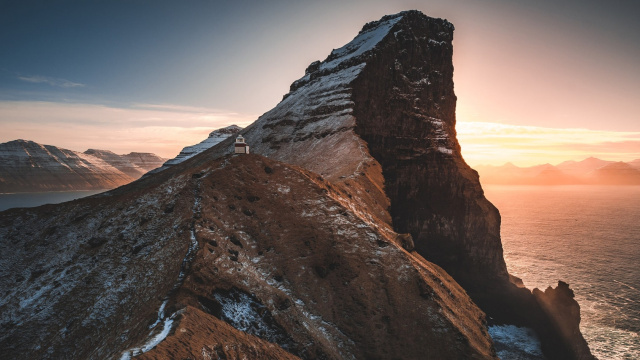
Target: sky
537, 81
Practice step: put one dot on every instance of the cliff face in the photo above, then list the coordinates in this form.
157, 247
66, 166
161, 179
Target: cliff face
406, 115
378, 118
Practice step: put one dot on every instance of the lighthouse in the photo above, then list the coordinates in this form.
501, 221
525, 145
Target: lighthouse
241, 147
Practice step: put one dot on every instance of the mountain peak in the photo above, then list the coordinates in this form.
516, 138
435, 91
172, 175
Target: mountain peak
357, 51
97, 152
215, 137
228, 130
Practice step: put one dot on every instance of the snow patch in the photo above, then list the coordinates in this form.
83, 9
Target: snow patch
444, 150
362, 43
514, 342
153, 342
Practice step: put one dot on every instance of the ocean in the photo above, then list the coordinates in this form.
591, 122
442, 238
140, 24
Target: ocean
8, 201
589, 237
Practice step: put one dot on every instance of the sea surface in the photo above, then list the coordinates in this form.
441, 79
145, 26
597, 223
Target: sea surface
589, 237
8, 201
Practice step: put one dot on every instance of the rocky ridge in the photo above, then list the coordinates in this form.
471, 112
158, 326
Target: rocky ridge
134, 164
26, 166
214, 138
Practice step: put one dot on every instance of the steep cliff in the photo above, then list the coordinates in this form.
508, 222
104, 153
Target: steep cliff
378, 118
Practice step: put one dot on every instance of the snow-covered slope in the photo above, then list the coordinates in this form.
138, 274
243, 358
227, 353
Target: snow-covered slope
132, 164
26, 166
215, 137
313, 124
146, 161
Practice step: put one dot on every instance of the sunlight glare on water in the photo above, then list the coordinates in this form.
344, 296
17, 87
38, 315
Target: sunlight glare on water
589, 237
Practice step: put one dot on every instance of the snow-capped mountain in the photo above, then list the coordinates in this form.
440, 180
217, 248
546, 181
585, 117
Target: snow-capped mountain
134, 164
26, 166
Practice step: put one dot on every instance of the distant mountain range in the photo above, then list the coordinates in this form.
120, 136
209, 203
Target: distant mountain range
590, 171
26, 166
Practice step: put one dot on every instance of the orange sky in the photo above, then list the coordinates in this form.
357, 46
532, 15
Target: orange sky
495, 144
155, 128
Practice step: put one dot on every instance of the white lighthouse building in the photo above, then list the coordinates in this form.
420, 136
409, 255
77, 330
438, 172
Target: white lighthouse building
241, 147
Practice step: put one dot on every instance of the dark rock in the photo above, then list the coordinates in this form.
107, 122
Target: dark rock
406, 241
234, 240
96, 241
313, 67
563, 312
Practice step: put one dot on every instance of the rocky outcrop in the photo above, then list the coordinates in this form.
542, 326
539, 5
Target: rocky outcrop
26, 166
564, 312
406, 115
275, 251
